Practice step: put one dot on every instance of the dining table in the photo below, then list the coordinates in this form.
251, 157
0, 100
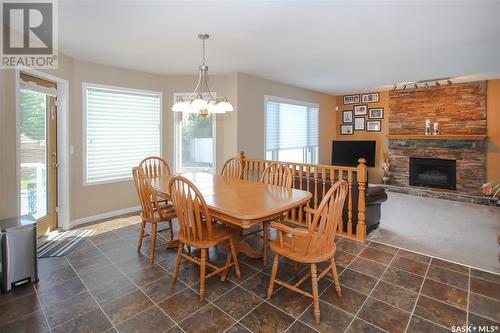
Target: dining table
240, 203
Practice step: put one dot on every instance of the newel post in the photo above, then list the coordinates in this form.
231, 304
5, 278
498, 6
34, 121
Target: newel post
362, 172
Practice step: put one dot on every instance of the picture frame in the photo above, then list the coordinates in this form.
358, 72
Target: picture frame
346, 129
347, 116
370, 98
351, 99
359, 123
373, 126
360, 110
376, 113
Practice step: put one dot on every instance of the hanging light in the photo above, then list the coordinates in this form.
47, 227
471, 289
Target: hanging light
202, 100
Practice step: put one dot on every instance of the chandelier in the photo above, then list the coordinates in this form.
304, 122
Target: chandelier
202, 100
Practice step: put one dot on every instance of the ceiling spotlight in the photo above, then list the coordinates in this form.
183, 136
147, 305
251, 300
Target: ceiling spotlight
449, 82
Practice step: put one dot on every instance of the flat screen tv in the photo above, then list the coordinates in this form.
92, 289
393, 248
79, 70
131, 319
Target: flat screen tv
346, 153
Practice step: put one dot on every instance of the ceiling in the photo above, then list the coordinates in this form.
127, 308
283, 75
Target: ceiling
333, 47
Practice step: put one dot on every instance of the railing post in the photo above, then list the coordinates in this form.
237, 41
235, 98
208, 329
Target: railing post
361, 178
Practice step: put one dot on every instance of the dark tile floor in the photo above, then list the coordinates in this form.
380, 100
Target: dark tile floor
106, 286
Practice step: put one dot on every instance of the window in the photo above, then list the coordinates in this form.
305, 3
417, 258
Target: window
194, 141
291, 131
122, 128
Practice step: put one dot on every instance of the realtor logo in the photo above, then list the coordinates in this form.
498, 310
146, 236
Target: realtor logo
29, 34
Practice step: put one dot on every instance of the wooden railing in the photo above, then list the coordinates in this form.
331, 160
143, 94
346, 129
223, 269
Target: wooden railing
317, 179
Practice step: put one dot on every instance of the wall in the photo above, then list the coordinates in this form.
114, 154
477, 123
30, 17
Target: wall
374, 173
251, 114
493, 144
87, 201
459, 109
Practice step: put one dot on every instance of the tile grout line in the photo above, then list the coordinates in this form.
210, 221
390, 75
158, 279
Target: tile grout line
121, 271
418, 295
41, 307
468, 300
375, 286
91, 295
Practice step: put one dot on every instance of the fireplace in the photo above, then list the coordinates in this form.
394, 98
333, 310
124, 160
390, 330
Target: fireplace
433, 172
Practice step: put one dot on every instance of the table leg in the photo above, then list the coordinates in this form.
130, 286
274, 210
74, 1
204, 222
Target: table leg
246, 249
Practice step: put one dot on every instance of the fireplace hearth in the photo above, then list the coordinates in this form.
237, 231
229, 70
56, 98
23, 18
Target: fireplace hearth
433, 172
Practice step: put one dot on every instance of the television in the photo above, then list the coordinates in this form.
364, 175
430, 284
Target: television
347, 153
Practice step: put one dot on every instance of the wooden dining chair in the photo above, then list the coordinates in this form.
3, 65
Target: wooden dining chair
151, 210
278, 174
155, 166
198, 230
311, 245
233, 168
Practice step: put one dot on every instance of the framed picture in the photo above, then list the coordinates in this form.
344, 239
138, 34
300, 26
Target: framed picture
373, 126
377, 113
346, 130
347, 116
351, 99
370, 98
360, 110
359, 123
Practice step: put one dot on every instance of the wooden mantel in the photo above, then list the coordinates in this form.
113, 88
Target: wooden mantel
471, 137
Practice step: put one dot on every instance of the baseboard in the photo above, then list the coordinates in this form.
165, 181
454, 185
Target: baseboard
102, 216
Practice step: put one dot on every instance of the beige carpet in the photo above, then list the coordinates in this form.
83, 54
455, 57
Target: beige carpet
460, 232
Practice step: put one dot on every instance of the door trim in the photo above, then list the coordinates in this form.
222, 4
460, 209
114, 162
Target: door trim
63, 211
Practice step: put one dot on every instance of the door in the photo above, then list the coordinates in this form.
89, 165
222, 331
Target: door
38, 152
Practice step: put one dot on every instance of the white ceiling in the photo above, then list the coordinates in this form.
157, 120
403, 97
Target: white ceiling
334, 47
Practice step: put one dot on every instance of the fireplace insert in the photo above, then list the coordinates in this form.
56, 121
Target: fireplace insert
433, 172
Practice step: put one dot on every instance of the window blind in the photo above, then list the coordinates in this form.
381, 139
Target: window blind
290, 126
122, 128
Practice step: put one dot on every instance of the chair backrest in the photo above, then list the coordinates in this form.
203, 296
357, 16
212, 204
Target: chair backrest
233, 168
147, 196
326, 219
278, 174
192, 212
154, 166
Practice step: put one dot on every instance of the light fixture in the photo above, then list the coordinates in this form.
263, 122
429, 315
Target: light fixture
202, 100
423, 83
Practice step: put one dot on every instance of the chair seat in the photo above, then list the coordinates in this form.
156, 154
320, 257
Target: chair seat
296, 251
220, 232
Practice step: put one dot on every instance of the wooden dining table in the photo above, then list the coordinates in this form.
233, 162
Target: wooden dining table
240, 203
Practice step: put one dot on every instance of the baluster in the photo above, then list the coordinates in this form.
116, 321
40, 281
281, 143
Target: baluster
361, 177
349, 207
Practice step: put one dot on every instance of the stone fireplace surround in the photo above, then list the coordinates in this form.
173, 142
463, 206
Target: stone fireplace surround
460, 110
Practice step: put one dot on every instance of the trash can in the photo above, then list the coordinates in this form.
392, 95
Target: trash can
19, 252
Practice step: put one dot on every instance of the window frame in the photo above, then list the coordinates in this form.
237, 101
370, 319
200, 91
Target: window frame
176, 117
86, 85
270, 98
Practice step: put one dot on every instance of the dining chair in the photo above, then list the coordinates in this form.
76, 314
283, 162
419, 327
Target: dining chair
155, 166
197, 229
233, 168
312, 245
278, 174
151, 210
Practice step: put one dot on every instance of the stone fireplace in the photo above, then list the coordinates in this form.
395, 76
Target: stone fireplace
454, 160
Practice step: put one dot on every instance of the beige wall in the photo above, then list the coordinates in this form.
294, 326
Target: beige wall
251, 114
493, 118
87, 201
375, 173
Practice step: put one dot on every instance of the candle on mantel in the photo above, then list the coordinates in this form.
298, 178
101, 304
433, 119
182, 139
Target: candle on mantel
436, 128
427, 127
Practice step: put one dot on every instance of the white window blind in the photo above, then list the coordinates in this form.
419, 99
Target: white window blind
291, 127
122, 128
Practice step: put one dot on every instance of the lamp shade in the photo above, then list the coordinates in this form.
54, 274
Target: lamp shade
225, 106
199, 104
180, 106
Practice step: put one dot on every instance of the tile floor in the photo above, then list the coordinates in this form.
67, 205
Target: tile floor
106, 286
